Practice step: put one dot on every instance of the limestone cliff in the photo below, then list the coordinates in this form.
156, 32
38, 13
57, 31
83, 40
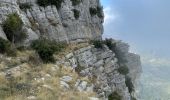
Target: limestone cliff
132, 61
58, 24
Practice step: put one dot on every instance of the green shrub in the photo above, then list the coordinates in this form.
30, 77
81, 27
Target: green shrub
96, 11
4, 92
110, 44
99, 12
12, 27
129, 84
7, 48
97, 43
34, 59
57, 3
75, 2
76, 13
93, 11
45, 3
46, 48
12, 51
124, 70
4, 45
114, 96
22, 48
25, 6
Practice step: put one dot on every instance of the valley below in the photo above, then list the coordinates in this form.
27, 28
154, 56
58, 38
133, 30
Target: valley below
154, 82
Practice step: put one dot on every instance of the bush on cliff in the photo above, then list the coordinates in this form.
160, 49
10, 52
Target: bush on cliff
96, 11
75, 2
7, 48
4, 45
124, 70
114, 96
97, 44
129, 84
25, 6
12, 27
93, 11
110, 44
99, 12
45, 3
76, 13
46, 48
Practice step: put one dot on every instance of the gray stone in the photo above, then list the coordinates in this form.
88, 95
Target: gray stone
52, 23
82, 86
64, 85
66, 78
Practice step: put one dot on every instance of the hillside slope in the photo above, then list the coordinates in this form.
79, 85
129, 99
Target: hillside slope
85, 69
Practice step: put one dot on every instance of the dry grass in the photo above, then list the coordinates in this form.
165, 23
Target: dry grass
44, 79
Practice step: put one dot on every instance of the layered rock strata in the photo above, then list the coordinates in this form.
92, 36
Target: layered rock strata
58, 24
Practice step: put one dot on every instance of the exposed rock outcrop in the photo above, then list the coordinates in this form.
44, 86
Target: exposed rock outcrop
58, 24
101, 66
131, 60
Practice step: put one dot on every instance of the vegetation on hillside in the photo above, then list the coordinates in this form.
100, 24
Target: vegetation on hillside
124, 70
114, 96
25, 6
40, 81
45, 3
97, 43
75, 2
96, 11
4, 45
46, 48
12, 27
76, 13
129, 84
7, 48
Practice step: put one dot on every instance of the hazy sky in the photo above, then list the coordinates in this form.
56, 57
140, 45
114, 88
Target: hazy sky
144, 24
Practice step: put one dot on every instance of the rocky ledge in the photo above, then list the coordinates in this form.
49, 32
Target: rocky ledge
85, 70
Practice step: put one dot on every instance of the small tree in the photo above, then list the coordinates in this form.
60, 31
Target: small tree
12, 27
93, 11
6, 48
99, 12
110, 44
124, 70
97, 43
96, 11
25, 6
57, 3
129, 84
46, 48
75, 2
76, 13
4, 45
45, 3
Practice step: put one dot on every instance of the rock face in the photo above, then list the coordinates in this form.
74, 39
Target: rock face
131, 60
58, 24
101, 66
